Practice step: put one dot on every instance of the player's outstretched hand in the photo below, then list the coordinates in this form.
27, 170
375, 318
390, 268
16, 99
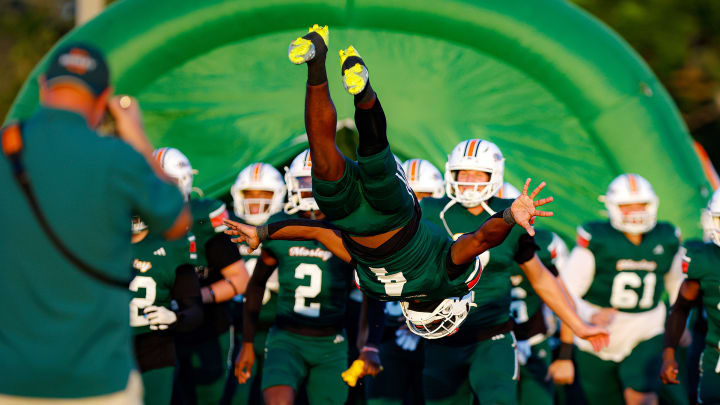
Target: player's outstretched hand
598, 337
669, 370
523, 208
244, 363
245, 233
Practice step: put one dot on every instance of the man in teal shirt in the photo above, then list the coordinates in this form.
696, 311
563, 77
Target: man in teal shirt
65, 335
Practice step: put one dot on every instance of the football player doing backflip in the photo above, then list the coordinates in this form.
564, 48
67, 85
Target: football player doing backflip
375, 220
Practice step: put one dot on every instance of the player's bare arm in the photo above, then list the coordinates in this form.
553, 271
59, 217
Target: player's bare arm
496, 229
251, 312
674, 328
548, 288
295, 229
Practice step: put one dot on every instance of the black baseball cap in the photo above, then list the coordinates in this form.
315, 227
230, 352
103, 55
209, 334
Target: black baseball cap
80, 63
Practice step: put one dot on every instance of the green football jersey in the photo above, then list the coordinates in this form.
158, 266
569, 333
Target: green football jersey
208, 216
702, 263
156, 260
492, 292
525, 301
627, 277
314, 283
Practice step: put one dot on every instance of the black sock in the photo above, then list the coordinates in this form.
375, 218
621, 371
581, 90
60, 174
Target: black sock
316, 66
372, 128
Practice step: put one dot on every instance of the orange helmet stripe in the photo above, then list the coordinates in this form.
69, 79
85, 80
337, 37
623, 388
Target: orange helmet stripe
414, 169
308, 160
160, 155
632, 183
256, 171
471, 147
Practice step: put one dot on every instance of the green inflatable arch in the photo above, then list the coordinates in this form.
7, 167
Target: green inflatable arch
565, 98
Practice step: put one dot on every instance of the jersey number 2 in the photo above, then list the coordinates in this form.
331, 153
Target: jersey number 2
137, 304
622, 297
304, 292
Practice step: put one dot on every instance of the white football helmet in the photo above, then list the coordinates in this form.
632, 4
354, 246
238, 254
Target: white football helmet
508, 191
631, 189
176, 166
712, 214
258, 176
423, 177
479, 155
298, 178
434, 321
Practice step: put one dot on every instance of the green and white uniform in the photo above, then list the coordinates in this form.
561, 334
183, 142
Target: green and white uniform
702, 264
534, 323
156, 261
313, 293
605, 270
204, 354
373, 197
480, 359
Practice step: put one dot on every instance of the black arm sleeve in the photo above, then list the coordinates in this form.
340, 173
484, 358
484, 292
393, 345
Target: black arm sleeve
376, 321
186, 292
526, 249
675, 322
297, 222
221, 252
553, 270
253, 298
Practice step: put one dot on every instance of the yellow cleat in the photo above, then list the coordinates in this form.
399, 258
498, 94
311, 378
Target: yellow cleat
303, 49
355, 75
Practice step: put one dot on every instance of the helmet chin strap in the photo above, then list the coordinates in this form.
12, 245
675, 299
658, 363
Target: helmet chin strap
487, 208
442, 216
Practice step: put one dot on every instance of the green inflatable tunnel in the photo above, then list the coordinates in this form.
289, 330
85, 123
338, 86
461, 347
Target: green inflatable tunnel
564, 97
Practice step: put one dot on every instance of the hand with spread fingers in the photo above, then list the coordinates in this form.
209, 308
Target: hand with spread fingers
523, 208
245, 233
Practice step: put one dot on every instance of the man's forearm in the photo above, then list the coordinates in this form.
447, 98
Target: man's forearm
492, 233
550, 291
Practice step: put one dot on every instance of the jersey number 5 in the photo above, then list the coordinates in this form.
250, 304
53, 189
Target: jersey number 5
304, 292
137, 304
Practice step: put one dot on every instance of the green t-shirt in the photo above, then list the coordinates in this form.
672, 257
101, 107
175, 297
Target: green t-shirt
208, 216
525, 301
702, 263
64, 334
492, 292
627, 277
156, 260
314, 283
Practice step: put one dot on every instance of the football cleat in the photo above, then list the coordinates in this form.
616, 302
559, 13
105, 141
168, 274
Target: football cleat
355, 75
306, 47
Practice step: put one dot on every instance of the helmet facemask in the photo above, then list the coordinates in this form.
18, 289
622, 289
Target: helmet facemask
264, 207
299, 194
258, 177
628, 189
434, 320
479, 156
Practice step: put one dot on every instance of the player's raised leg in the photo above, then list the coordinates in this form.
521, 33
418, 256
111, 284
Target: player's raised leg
383, 180
320, 114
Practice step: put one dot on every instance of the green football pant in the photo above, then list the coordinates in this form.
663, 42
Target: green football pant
709, 387
158, 385
401, 376
292, 359
487, 369
250, 392
206, 365
605, 381
371, 197
533, 389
